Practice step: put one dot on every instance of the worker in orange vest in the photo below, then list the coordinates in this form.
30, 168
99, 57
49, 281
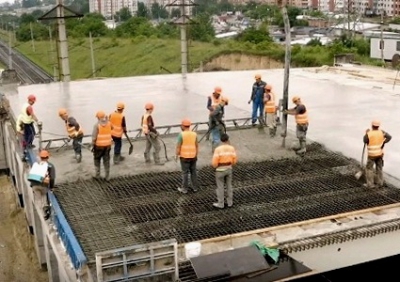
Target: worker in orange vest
301, 116
187, 150
224, 159
270, 109
151, 135
102, 141
375, 140
215, 99
118, 122
74, 132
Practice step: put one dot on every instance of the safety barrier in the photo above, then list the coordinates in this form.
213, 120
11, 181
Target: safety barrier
65, 233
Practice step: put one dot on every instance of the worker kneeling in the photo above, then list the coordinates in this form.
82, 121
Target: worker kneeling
187, 150
42, 177
375, 140
101, 142
223, 159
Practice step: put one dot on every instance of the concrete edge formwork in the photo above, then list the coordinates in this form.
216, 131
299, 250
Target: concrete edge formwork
58, 248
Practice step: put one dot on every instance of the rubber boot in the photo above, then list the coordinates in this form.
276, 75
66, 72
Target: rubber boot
275, 130
157, 159
369, 175
147, 157
303, 148
116, 158
78, 158
379, 179
297, 146
121, 158
107, 173
271, 132
97, 171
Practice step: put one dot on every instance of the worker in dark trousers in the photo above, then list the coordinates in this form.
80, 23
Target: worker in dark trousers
74, 132
224, 159
217, 126
375, 140
151, 134
257, 97
301, 116
40, 190
187, 150
25, 125
102, 141
118, 122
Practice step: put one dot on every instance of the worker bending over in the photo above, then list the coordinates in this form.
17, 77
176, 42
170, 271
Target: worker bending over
187, 150
270, 110
74, 132
214, 99
216, 123
25, 125
40, 189
223, 160
118, 122
151, 134
101, 142
257, 97
375, 140
301, 116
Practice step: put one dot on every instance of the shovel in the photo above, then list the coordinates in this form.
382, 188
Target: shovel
361, 172
130, 143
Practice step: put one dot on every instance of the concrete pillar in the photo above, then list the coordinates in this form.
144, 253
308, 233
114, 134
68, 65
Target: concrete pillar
52, 263
37, 226
63, 44
28, 201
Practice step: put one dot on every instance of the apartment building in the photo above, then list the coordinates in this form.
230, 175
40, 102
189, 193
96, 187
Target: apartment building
108, 8
165, 3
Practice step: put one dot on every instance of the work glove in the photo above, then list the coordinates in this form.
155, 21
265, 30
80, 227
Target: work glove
39, 123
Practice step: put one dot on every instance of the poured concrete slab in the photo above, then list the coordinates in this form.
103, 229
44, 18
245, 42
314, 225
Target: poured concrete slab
341, 106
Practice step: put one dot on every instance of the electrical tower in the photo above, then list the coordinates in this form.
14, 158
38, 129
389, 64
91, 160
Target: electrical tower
183, 22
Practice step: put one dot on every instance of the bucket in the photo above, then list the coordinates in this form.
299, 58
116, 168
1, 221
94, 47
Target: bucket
192, 249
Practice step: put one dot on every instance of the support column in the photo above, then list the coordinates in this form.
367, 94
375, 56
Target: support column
184, 43
52, 263
37, 227
63, 44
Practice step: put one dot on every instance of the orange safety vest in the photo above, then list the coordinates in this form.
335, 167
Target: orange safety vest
302, 119
188, 147
145, 126
376, 139
116, 121
104, 138
270, 107
71, 130
224, 155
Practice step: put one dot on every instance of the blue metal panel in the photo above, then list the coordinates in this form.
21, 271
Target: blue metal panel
65, 233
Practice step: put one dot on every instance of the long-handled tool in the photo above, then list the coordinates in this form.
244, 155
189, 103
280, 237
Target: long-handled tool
84, 146
165, 148
361, 172
130, 143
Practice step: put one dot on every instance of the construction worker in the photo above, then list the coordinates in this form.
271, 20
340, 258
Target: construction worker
223, 160
216, 124
301, 116
270, 110
74, 132
118, 122
40, 189
375, 140
257, 97
187, 150
151, 135
214, 99
101, 142
25, 125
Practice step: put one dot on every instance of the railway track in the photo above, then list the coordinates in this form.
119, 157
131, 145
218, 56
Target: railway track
27, 71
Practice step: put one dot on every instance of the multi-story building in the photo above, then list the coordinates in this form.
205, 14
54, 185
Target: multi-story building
165, 3
108, 8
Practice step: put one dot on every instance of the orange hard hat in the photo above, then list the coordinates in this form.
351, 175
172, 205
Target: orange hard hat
62, 112
149, 106
376, 123
120, 106
295, 99
186, 122
32, 98
100, 114
268, 87
218, 90
44, 154
257, 76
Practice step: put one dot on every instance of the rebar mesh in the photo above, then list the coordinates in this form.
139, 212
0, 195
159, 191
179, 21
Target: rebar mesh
146, 208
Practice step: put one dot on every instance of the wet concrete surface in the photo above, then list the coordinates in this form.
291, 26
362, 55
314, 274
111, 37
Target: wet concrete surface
340, 107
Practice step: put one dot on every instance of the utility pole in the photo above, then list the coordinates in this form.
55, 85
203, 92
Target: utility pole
382, 43
9, 50
92, 55
33, 41
286, 74
183, 22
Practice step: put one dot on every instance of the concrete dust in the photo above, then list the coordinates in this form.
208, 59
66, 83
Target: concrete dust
18, 261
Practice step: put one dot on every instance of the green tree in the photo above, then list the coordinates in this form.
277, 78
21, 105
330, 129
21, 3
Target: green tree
39, 32
26, 19
142, 11
90, 23
167, 30
37, 14
79, 6
158, 12
254, 35
123, 15
202, 29
135, 26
